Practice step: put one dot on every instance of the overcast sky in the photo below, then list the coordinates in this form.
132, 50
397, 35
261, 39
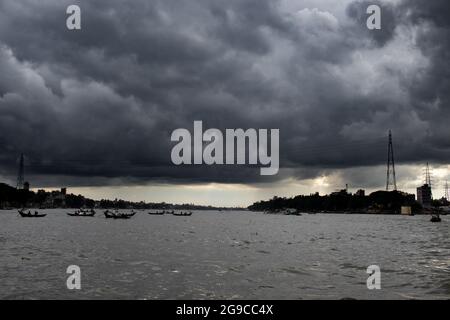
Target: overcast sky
94, 109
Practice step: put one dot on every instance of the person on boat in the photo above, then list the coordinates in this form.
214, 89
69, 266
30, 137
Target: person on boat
35, 213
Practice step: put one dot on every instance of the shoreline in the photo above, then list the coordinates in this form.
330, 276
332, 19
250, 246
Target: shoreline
282, 213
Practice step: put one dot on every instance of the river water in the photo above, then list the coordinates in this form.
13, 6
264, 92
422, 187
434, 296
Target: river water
224, 255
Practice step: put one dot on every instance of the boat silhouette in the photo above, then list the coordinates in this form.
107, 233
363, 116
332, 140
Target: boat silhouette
82, 213
28, 214
183, 214
118, 215
157, 213
435, 218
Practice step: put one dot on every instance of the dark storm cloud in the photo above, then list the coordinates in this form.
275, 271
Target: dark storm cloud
430, 92
357, 11
103, 101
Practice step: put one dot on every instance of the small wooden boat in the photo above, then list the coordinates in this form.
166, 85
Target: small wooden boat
183, 214
108, 214
291, 212
28, 214
435, 218
157, 213
82, 213
118, 215
294, 213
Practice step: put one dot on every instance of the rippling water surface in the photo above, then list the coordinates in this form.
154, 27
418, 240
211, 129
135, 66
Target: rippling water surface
224, 255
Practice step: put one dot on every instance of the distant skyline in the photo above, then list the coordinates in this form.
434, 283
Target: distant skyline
93, 109
244, 194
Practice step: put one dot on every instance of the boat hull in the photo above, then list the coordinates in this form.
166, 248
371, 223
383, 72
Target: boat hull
183, 214
81, 215
110, 215
27, 215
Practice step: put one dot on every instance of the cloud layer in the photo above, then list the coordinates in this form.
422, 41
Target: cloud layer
97, 106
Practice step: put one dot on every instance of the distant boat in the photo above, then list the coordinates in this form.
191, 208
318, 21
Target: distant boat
290, 212
293, 214
82, 213
132, 213
28, 214
435, 218
284, 211
118, 215
183, 214
157, 213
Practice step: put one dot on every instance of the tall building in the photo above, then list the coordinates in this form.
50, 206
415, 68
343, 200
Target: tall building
424, 195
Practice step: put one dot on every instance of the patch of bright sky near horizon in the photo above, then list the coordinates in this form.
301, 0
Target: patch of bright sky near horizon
217, 194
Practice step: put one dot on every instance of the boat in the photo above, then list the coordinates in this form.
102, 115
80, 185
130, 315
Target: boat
435, 218
290, 212
108, 214
284, 211
183, 214
157, 213
118, 215
28, 214
82, 213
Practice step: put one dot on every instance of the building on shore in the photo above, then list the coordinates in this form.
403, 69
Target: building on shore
424, 196
56, 199
406, 211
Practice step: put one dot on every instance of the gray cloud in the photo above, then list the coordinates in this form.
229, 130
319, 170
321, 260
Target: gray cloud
103, 101
357, 11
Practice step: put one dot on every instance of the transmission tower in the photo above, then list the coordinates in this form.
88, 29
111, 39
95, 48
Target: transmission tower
390, 179
21, 174
428, 175
446, 191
